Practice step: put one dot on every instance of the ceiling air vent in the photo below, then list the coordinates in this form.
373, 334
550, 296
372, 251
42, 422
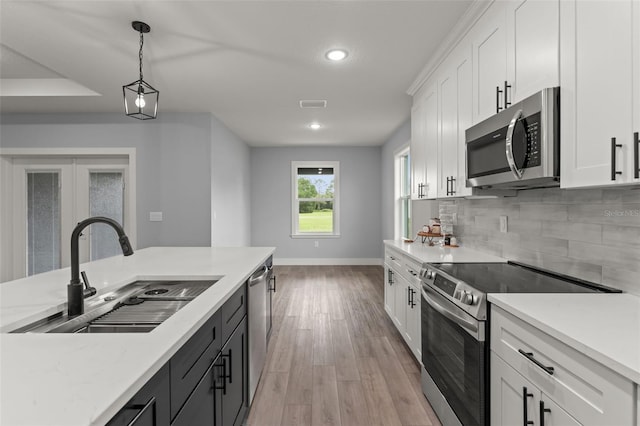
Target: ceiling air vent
313, 104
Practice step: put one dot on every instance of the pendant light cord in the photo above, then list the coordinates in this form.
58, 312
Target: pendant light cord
140, 54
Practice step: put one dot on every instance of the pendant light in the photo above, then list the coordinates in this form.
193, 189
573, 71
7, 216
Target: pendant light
140, 98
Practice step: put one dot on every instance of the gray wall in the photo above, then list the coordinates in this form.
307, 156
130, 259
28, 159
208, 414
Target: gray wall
173, 164
398, 140
230, 188
360, 202
592, 234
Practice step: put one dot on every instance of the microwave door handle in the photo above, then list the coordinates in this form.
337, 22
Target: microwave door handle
509, 145
473, 327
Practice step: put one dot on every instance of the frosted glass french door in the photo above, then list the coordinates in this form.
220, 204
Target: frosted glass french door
51, 195
101, 191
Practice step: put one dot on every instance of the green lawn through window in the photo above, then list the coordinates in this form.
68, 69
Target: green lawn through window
318, 221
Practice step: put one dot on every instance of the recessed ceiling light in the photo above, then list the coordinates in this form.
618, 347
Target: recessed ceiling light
336, 54
314, 126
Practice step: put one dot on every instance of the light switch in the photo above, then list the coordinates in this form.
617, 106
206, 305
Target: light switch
503, 223
155, 216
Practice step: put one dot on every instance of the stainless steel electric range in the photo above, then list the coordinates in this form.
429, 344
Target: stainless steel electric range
455, 327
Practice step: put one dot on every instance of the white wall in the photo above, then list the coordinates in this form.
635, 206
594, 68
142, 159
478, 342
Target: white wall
360, 202
175, 155
230, 188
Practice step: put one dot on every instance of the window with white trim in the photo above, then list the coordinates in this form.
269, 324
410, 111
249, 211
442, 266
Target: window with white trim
315, 199
403, 194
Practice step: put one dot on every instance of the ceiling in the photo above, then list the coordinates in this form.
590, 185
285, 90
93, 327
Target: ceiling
247, 62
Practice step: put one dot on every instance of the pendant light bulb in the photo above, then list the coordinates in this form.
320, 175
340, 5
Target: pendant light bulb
140, 103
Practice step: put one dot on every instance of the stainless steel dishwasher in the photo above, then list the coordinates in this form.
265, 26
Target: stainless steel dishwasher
257, 317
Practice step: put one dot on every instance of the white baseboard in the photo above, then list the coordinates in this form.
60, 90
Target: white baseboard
326, 261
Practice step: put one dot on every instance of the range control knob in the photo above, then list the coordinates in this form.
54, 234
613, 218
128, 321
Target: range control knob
430, 274
468, 298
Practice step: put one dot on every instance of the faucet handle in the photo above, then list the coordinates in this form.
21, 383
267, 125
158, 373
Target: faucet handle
88, 291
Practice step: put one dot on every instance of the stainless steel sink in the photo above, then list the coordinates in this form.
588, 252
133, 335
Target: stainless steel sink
138, 307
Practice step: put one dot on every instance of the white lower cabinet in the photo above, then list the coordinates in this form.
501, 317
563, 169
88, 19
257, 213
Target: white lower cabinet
537, 378
517, 401
412, 321
402, 298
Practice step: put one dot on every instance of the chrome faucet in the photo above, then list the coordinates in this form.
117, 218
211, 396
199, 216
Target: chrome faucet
75, 292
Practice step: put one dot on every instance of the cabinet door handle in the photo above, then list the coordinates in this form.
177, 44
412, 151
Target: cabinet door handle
230, 376
448, 180
529, 356
542, 412
498, 107
274, 283
142, 409
390, 276
408, 295
614, 145
636, 155
452, 186
413, 300
506, 102
525, 410
223, 376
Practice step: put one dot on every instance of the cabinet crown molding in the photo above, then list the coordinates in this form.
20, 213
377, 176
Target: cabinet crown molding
462, 27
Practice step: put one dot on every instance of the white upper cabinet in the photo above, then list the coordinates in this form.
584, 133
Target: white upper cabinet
489, 44
418, 151
532, 46
515, 53
599, 92
455, 99
424, 143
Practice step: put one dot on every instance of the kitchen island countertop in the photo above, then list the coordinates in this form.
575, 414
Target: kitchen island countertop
84, 379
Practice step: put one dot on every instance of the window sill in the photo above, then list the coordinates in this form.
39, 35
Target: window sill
315, 236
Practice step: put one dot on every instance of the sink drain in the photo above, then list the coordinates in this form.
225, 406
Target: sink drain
156, 291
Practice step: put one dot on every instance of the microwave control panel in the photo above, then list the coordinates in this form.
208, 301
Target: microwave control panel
532, 124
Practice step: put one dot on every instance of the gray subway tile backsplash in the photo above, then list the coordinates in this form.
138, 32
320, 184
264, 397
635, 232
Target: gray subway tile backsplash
593, 234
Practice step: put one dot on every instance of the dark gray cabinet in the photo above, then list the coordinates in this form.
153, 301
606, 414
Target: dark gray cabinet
233, 310
220, 397
205, 382
192, 361
150, 406
200, 406
233, 401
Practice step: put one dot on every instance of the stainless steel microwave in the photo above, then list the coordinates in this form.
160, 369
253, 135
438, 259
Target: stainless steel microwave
518, 148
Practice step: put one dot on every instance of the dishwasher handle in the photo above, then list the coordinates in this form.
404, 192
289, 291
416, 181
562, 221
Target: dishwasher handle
256, 279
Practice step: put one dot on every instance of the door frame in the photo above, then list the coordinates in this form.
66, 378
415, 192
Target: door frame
6, 193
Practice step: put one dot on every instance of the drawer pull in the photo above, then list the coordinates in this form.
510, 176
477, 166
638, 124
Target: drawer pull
142, 409
525, 413
529, 356
542, 412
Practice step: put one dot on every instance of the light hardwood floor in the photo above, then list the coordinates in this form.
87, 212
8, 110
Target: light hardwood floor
335, 357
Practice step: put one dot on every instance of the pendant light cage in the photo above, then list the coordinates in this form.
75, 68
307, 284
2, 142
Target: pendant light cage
140, 98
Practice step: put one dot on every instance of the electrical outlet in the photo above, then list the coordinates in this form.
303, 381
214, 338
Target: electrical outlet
155, 216
503, 223
316, 244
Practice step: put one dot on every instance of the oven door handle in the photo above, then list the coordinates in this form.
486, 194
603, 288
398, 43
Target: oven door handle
462, 322
509, 145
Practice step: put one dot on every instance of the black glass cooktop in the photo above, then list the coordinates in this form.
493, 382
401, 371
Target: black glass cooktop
515, 278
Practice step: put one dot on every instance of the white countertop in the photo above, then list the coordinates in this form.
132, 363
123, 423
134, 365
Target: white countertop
424, 253
605, 327
84, 379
